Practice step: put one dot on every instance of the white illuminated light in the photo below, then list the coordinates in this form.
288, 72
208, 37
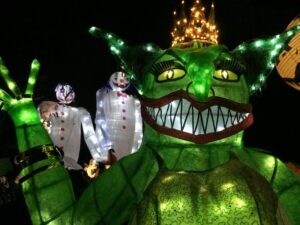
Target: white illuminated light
149, 48
66, 124
225, 74
274, 52
118, 117
170, 74
278, 46
270, 162
239, 202
227, 186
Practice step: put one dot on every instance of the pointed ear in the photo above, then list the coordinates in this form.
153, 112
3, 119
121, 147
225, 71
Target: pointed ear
260, 56
133, 59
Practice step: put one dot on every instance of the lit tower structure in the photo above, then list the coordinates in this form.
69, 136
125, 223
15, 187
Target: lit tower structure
195, 29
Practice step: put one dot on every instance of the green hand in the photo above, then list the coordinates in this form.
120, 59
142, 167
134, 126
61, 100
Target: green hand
29, 130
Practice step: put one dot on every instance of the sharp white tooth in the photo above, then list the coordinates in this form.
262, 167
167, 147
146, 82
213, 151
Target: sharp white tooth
169, 117
160, 120
196, 122
245, 115
185, 106
220, 127
223, 110
241, 117
189, 124
230, 118
159, 117
214, 109
210, 124
203, 121
217, 116
220, 120
175, 104
185, 117
174, 112
175, 107
151, 112
177, 125
236, 116
226, 117
156, 111
164, 109
168, 123
222, 117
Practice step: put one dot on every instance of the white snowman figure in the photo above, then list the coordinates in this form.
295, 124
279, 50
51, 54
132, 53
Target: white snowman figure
118, 117
64, 124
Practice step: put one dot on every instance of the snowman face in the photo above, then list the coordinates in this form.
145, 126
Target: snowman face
64, 93
119, 81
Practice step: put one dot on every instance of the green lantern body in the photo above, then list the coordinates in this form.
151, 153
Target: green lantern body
195, 106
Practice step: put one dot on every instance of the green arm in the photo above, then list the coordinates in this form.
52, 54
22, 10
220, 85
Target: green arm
285, 183
29, 130
46, 185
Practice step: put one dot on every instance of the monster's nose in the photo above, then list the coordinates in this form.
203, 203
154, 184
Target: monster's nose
199, 89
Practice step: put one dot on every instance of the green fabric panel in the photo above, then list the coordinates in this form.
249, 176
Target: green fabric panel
49, 195
285, 183
230, 194
112, 197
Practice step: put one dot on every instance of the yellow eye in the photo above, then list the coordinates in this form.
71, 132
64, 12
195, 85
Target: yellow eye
226, 75
171, 74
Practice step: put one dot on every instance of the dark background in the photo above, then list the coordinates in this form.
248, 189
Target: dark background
56, 33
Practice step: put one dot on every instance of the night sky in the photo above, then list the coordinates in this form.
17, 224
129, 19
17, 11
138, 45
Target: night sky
56, 33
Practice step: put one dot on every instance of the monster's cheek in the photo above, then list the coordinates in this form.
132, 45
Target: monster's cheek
236, 91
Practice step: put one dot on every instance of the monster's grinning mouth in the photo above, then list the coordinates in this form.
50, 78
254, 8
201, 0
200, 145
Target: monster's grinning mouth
179, 115
211, 120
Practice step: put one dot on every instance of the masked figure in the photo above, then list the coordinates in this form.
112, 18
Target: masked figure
118, 117
64, 124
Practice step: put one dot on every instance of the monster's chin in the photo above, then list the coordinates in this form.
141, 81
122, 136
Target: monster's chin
179, 115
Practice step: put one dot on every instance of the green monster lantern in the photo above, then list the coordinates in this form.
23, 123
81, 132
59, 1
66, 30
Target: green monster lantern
192, 167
